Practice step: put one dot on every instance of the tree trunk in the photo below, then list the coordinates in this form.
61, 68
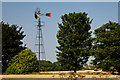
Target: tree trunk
75, 70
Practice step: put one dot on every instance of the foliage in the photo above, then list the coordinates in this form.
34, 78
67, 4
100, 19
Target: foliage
46, 66
11, 43
107, 46
74, 40
58, 67
90, 68
49, 66
25, 62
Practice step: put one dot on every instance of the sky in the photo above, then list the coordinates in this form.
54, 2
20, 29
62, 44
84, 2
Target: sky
60, 0
22, 14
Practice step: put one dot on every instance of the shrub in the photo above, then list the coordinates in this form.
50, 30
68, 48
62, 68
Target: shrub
25, 62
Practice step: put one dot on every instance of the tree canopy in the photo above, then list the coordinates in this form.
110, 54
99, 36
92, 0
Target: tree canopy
107, 46
46, 66
25, 62
12, 37
74, 38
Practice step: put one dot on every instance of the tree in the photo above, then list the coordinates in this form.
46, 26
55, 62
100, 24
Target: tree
107, 46
74, 40
25, 62
57, 67
11, 43
46, 66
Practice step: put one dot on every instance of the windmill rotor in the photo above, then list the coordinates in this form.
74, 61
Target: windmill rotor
37, 14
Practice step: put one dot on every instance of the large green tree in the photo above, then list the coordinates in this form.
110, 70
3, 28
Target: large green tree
25, 62
74, 38
107, 46
12, 37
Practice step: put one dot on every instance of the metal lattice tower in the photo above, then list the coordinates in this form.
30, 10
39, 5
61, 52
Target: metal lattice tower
39, 37
41, 51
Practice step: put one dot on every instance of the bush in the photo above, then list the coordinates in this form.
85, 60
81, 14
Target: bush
46, 66
24, 62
